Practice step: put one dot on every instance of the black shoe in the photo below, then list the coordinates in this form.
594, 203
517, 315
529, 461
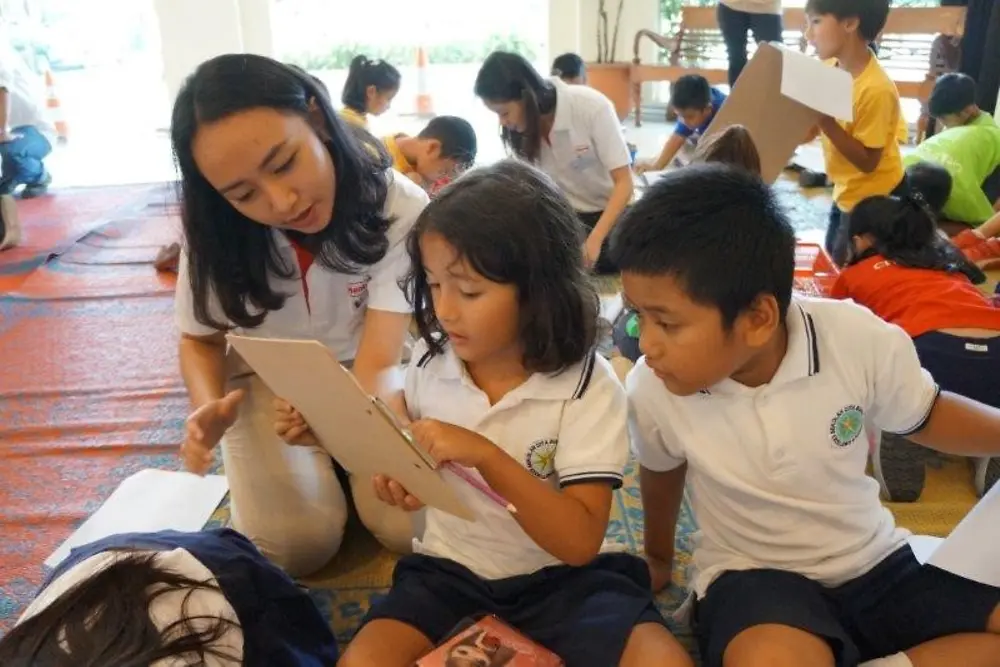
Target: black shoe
10, 224
900, 468
37, 189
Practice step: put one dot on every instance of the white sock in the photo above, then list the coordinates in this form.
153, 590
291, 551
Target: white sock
898, 660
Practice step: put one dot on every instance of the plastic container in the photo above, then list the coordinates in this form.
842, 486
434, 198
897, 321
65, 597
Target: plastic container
815, 272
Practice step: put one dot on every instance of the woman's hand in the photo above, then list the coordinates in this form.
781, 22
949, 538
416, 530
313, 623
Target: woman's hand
291, 426
448, 443
592, 250
391, 492
205, 427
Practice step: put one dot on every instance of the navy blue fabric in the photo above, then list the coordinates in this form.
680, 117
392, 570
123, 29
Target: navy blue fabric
899, 604
281, 624
582, 614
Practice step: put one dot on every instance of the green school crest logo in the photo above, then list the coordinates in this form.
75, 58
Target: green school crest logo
847, 425
541, 458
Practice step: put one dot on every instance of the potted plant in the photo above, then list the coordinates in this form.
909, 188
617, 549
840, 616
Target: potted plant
606, 74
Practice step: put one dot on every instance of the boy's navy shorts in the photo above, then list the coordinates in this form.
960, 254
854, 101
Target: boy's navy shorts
582, 614
969, 367
899, 604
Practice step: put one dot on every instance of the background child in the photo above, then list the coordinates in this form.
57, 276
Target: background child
862, 156
506, 383
979, 245
696, 104
370, 87
759, 401
739, 17
969, 149
572, 133
953, 102
570, 68
26, 134
206, 598
900, 268
443, 148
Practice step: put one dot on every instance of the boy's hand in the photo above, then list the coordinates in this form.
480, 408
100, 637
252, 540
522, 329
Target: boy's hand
591, 251
205, 427
291, 426
826, 124
660, 573
450, 443
811, 135
391, 492
642, 166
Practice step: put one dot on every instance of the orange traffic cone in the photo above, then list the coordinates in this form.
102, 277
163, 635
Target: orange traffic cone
425, 105
54, 107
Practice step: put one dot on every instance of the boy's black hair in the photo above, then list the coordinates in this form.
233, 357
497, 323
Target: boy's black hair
363, 73
903, 230
716, 229
871, 14
512, 224
105, 620
691, 91
952, 93
509, 77
458, 139
568, 65
231, 257
932, 181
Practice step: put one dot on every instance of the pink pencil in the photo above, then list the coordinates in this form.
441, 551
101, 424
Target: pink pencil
483, 488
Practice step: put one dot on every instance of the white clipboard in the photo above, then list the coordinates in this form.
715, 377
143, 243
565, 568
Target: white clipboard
358, 430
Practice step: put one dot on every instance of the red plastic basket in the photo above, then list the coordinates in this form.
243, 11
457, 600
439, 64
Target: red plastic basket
815, 272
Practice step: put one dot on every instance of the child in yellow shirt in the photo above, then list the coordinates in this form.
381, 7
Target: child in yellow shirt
369, 89
442, 149
862, 156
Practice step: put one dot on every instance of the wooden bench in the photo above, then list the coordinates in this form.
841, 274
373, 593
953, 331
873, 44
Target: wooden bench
697, 47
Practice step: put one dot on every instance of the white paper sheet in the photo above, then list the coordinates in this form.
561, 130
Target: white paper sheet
148, 501
973, 548
611, 307
809, 81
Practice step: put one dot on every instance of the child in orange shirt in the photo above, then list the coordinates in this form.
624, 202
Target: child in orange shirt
900, 267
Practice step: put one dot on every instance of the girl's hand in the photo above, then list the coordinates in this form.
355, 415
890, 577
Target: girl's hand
661, 573
391, 492
450, 443
205, 427
291, 426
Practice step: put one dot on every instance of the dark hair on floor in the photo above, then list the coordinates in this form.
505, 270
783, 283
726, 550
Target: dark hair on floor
230, 255
718, 230
904, 230
691, 91
733, 146
363, 73
932, 181
871, 14
458, 139
568, 66
104, 620
511, 223
509, 77
952, 93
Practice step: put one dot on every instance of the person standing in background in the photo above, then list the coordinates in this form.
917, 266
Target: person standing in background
25, 134
737, 18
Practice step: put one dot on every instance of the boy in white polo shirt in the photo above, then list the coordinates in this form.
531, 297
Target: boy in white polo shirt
760, 402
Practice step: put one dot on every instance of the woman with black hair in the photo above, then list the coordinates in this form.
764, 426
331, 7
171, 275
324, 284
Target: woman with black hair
292, 229
901, 268
570, 132
169, 598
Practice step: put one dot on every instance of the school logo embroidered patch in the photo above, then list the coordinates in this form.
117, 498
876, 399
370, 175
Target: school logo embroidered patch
847, 425
357, 290
541, 458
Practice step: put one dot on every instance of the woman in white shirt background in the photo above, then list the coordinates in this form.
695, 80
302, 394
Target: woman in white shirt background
292, 229
739, 17
570, 132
